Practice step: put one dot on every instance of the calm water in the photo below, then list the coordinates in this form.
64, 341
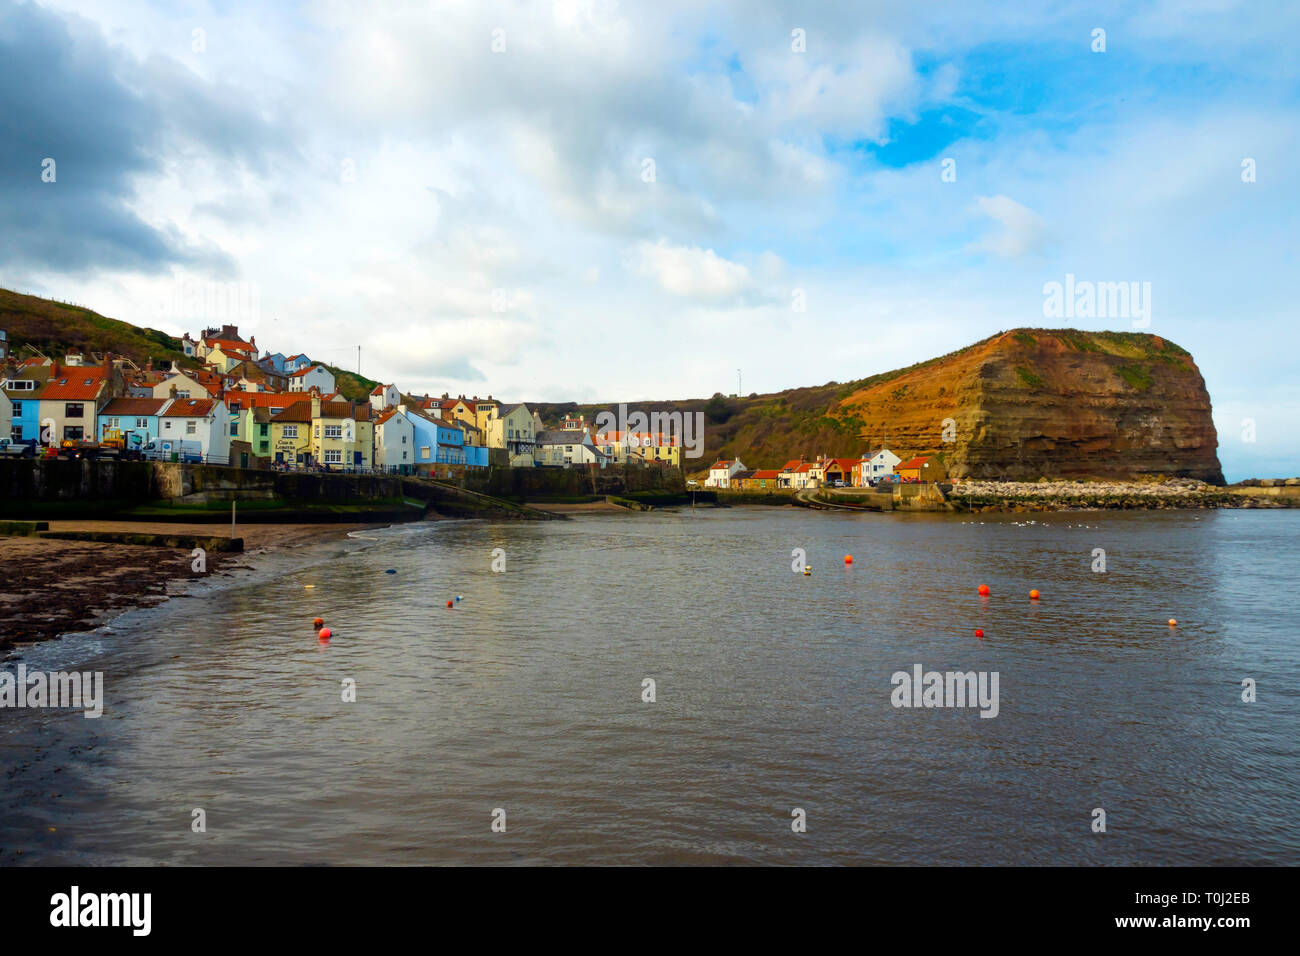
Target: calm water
773, 693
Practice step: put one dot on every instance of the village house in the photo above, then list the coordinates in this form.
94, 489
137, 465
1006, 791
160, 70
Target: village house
131, 421
765, 480
742, 480
568, 447
384, 396
314, 376
922, 468
73, 397
804, 476
342, 434
23, 385
874, 466
639, 447
202, 420
838, 470
394, 442
436, 440
291, 433
720, 472
512, 429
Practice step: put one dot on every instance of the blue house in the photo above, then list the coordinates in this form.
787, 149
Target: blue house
295, 363
276, 360
436, 440
133, 421
24, 389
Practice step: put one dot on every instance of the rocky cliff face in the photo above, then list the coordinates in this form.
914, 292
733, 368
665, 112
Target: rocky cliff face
1060, 403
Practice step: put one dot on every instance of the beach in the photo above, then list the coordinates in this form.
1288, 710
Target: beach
53, 587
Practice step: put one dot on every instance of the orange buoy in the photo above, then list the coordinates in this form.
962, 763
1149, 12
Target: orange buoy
848, 559
979, 632
1173, 622
1033, 595
324, 633
449, 604
318, 623
984, 590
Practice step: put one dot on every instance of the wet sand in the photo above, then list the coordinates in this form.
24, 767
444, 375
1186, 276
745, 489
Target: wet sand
577, 507
50, 587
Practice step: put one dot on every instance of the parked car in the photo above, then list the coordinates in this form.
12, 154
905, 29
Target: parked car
692, 483
17, 449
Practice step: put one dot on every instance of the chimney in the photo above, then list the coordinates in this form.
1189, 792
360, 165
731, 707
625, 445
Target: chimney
172, 391
315, 404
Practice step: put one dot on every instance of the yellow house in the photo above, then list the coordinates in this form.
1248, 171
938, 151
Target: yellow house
514, 429
486, 410
640, 447
290, 434
342, 434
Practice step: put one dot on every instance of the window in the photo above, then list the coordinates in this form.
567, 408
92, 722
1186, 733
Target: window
72, 433
191, 427
261, 430
142, 423
403, 442
290, 431
74, 410
21, 385
18, 409
333, 456
234, 429
114, 423
424, 452
333, 431
167, 425
184, 394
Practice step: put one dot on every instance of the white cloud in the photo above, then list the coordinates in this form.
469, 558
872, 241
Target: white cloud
691, 272
1023, 231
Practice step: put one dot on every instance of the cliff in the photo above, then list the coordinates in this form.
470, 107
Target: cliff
1061, 403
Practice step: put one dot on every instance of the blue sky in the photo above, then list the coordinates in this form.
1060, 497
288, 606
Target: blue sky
483, 219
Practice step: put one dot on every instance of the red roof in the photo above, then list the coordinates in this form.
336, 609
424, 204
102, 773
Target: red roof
189, 408
773, 473
913, 462
720, 464
274, 399
792, 464
78, 383
845, 464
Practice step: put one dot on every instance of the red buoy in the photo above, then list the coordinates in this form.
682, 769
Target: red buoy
979, 632
848, 559
324, 633
1033, 595
318, 623
984, 590
448, 604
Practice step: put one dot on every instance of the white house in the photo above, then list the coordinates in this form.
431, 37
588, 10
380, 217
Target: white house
394, 441
877, 464
720, 472
317, 376
384, 396
568, 447
204, 420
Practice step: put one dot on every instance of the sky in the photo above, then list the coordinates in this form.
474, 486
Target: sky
602, 202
